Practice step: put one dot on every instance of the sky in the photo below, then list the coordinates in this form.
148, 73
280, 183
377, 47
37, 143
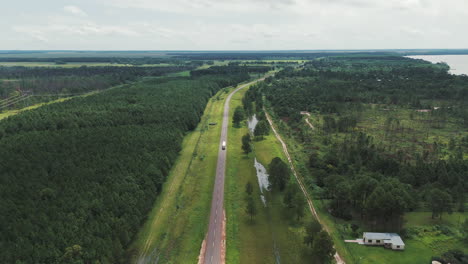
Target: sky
233, 24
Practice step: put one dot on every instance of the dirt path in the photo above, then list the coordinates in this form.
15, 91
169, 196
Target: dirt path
307, 119
338, 258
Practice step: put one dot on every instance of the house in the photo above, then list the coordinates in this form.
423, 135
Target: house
388, 240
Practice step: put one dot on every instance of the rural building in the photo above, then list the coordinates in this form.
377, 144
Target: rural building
388, 240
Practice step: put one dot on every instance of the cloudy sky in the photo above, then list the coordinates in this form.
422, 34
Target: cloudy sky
233, 24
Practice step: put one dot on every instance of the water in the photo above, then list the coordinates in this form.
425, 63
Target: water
252, 123
262, 177
458, 63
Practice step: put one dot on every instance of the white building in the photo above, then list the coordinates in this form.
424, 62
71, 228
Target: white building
388, 240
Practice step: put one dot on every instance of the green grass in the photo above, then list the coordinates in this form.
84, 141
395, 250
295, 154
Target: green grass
179, 74
271, 233
415, 252
424, 218
178, 222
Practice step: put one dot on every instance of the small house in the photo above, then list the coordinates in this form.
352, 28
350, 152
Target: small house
388, 240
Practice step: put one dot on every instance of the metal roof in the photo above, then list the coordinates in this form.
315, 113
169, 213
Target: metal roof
393, 238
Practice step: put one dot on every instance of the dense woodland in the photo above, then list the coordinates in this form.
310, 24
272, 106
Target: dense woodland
23, 86
79, 177
360, 176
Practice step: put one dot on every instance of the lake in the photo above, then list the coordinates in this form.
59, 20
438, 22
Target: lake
458, 63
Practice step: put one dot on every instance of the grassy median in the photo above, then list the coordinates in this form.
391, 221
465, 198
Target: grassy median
272, 235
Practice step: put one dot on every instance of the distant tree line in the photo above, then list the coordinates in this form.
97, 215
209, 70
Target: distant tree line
231, 69
266, 55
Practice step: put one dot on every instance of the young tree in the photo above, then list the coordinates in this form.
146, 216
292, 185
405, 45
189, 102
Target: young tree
249, 188
246, 144
440, 202
250, 209
312, 229
262, 129
238, 116
279, 174
294, 199
288, 198
322, 247
299, 204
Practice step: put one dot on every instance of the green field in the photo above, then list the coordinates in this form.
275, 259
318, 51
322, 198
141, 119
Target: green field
177, 224
271, 236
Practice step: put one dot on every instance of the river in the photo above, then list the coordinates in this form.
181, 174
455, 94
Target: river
458, 63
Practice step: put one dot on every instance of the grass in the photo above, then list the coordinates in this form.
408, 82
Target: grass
424, 218
271, 235
177, 224
415, 252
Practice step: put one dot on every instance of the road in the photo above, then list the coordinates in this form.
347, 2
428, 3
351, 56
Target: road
214, 238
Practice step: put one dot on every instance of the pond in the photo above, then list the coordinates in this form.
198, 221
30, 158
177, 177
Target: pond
262, 177
252, 123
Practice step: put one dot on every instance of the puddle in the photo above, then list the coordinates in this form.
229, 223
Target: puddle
252, 123
262, 177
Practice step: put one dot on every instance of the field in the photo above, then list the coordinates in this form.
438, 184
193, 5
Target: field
271, 236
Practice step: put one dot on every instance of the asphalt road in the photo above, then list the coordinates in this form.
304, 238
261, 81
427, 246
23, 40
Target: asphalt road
214, 238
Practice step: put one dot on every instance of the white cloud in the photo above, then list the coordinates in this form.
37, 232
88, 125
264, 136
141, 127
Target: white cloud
241, 24
74, 10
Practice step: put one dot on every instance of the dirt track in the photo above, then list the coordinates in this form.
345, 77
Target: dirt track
338, 258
